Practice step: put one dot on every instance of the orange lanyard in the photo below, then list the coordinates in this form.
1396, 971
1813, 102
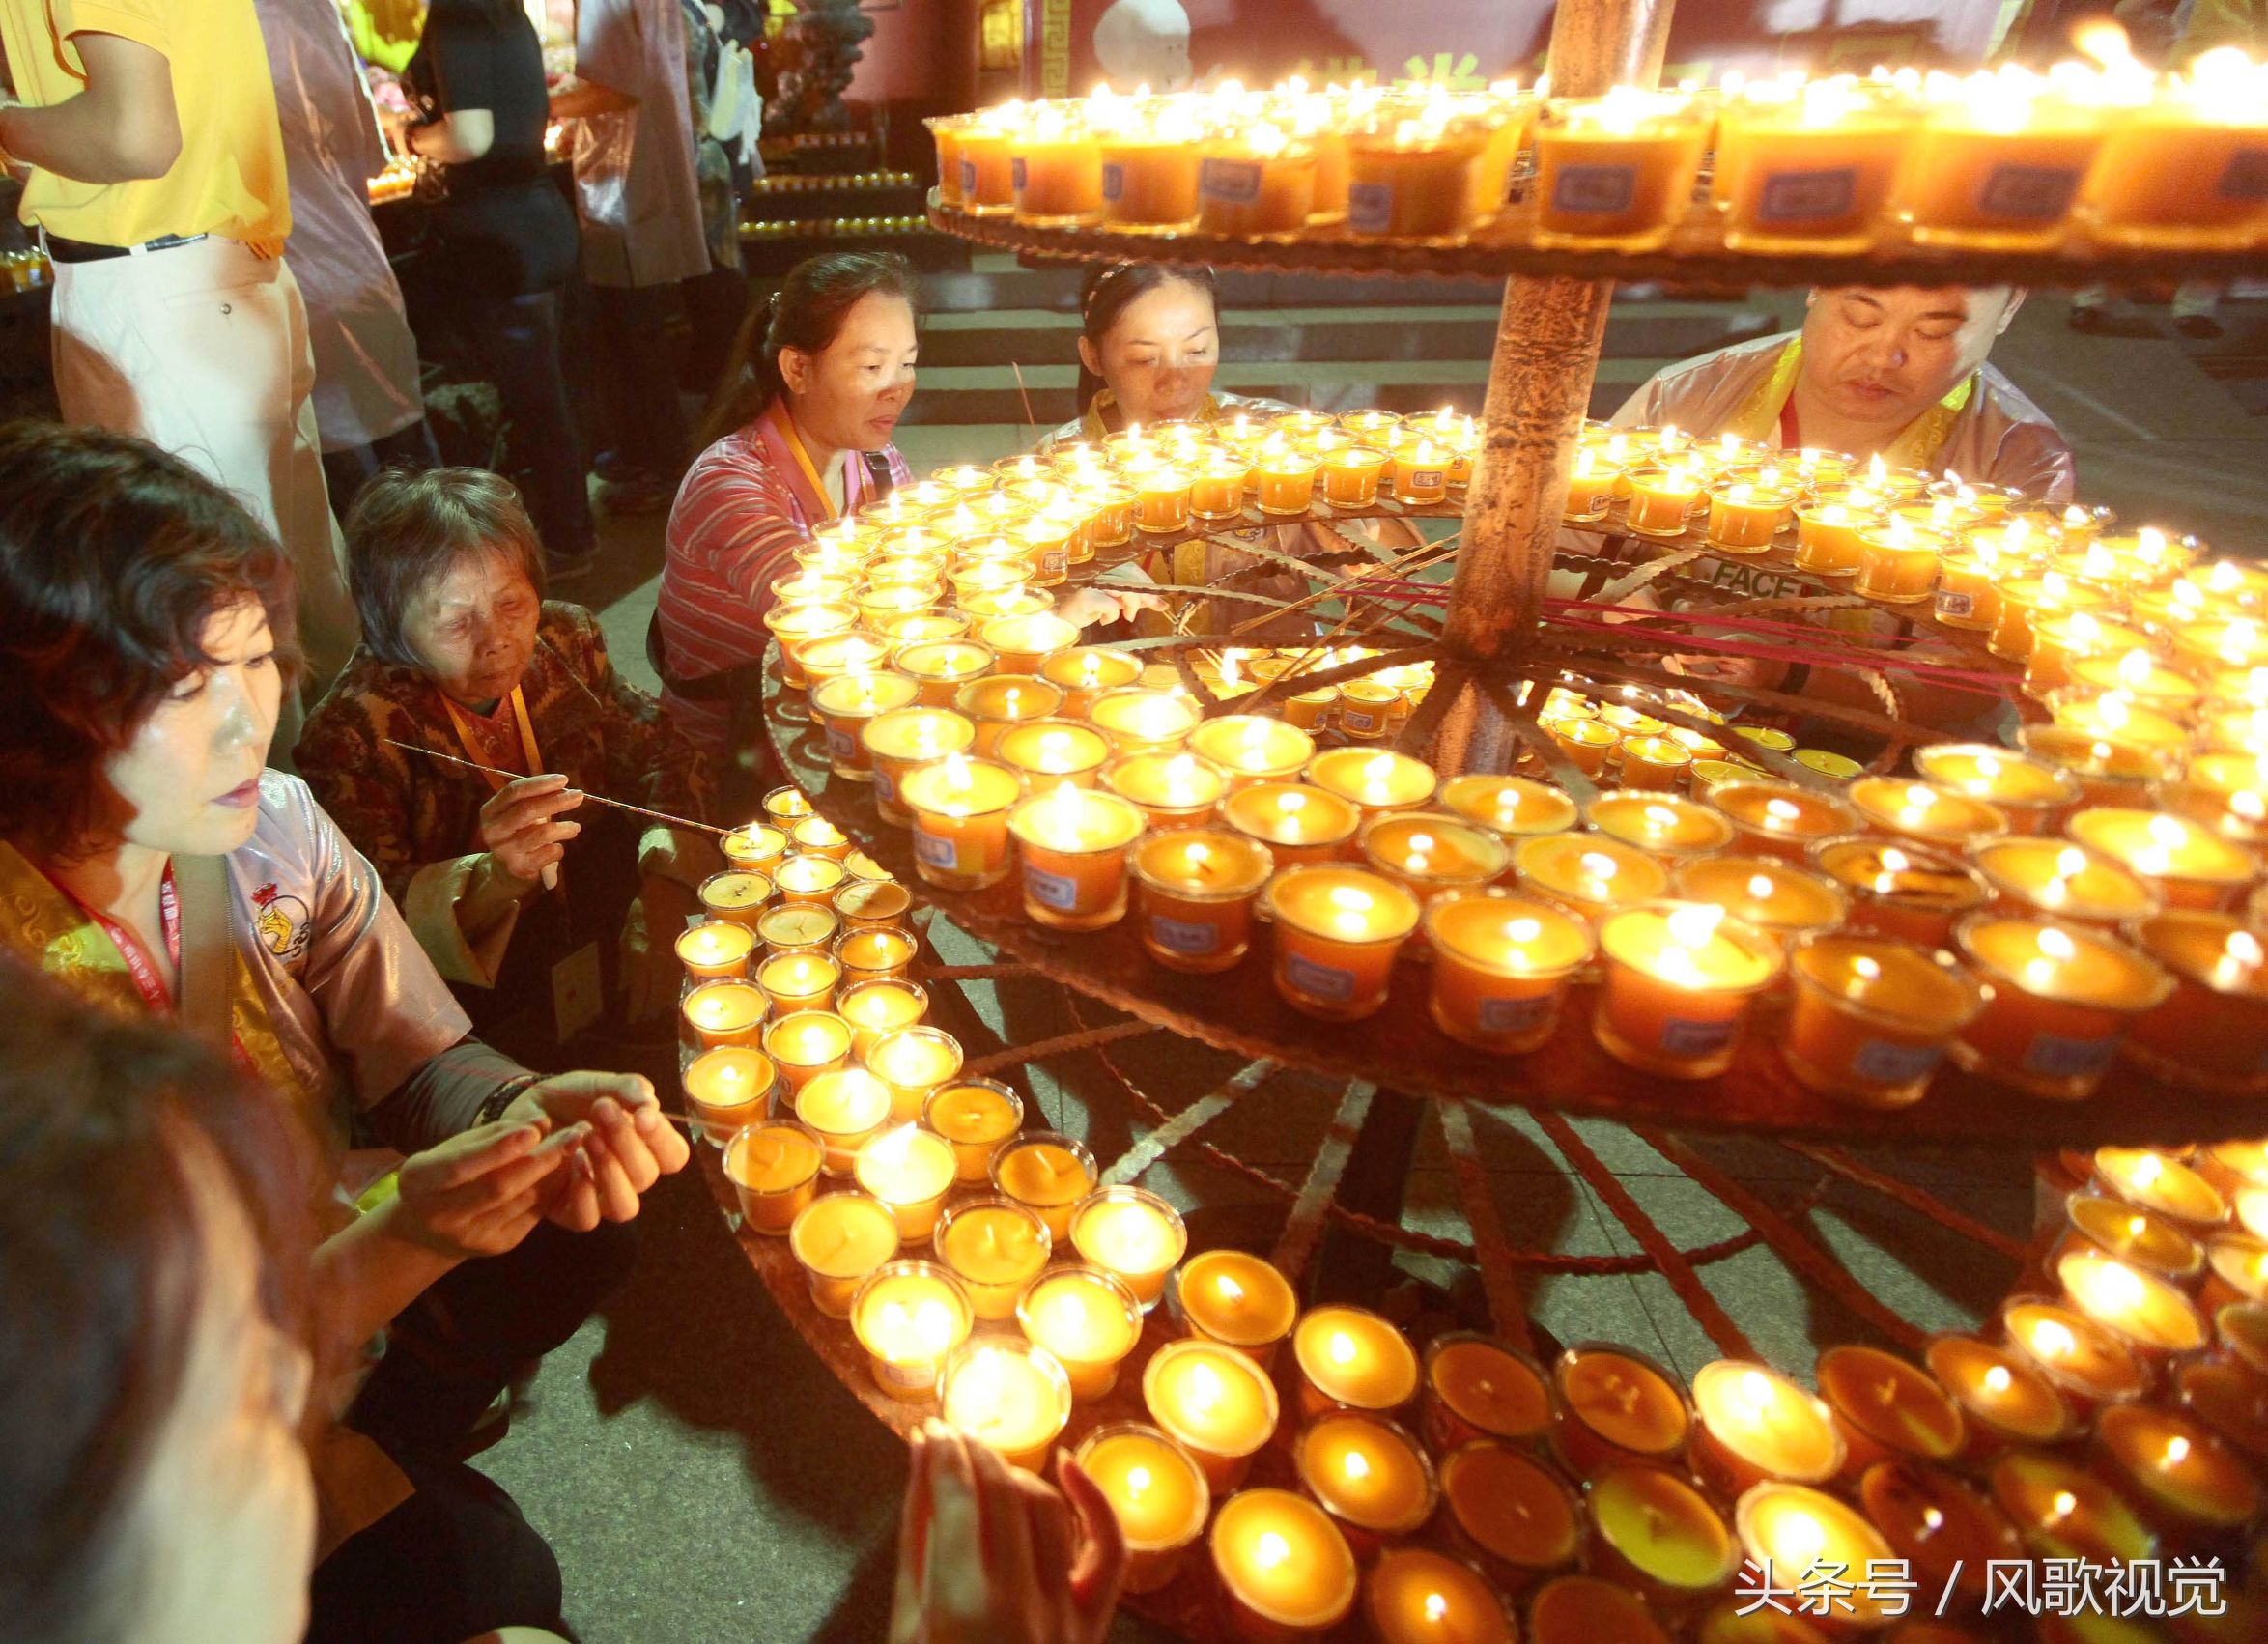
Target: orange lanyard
803, 460
466, 738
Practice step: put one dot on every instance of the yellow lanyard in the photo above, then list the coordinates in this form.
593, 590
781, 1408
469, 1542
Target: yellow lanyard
1917, 446
468, 739
803, 460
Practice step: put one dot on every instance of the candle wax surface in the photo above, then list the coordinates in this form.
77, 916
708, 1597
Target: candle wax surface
1282, 1558
1210, 1397
994, 1245
1040, 1172
844, 1235
905, 1166
1366, 1472
1582, 1609
1075, 1318
1894, 1402
1765, 1420
1511, 1504
1127, 1235
1236, 1298
1626, 1404
1997, 1386
1153, 1488
2075, 966
1355, 1357
773, 1158
971, 1113
1799, 1530
2173, 1462
1490, 1389
1008, 1400
1663, 1526
1415, 1595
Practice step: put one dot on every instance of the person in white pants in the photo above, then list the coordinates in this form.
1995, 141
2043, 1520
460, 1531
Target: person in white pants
156, 178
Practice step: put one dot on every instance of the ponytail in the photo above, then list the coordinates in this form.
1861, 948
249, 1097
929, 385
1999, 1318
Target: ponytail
806, 312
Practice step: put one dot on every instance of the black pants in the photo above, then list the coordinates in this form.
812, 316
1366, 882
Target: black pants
514, 342
640, 336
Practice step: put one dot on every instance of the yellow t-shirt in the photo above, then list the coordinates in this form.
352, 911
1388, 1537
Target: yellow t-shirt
229, 178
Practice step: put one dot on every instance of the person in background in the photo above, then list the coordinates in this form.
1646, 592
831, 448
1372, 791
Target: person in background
462, 656
151, 865
638, 196
158, 183
506, 246
799, 434
368, 407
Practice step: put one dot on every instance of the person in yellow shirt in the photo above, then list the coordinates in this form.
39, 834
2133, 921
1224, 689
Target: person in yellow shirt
148, 129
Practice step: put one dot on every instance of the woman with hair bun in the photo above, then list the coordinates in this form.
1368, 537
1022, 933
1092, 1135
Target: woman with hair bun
799, 434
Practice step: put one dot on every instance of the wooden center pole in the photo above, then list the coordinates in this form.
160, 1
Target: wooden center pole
1548, 334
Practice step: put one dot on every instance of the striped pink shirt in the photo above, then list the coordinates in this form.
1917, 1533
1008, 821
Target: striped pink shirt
734, 525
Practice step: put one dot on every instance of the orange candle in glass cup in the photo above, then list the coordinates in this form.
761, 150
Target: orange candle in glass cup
1084, 673
1054, 170
909, 1316
1008, 1395
1145, 721
2187, 864
1581, 1609
1778, 818
1515, 807
1656, 764
1615, 1407
1420, 473
1375, 780
874, 1009
1215, 1401
2062, 1000
938, 668
2063, 1511
1997, 164
1587, 872
716, 949
725, 1013
994, 1247
975, 1116
2183, 168
1021, 644
1088, 1319
797, 927
1282, 476
2176, 1471
1660, 824
1338, 930
1680, 978
1475, 1387
1783, 901
959, 808
2153, 1317
877, 954
1898, 564
2031, 794
1585, 741
1802, 1535
1502, 966
2215, 1022
1617, 171
1196, 889
1149, 174
772, 1168
843, 706
897, 742
737, 896
843, 1107
2156, 1181
1754, 1424
1236, 1300
1172, 791
1298, 824
1592, 483
1872, 1017
839, 1240
1072, 842
1255, 180
1430, 854
2087, 1365
798, 982
1900, 889
1926, 813
2143, 1237
910, 1169
1888, 1408
726, 1088
1285, 1569
2065, 880
1662, 499
754, 848
1946, 1534
1807, 167
1351, 1357
809, 879
912, 1064
1658, 1537
1351, 476
1133, 1234
806, 1045
2003, 1398
1156, 1492
1253, 747
1046, 754
1047, 1171
1412, 178
1743, 517
1827, 533
1369, 1474
1411, 1594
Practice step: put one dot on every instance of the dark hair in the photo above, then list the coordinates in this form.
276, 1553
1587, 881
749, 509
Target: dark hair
113, 556
410, 526
103, 1253
1110, 289
806, 313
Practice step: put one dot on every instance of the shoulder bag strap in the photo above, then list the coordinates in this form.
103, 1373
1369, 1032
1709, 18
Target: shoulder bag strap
207, 961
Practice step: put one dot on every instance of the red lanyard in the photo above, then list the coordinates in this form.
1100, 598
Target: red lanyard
139, 963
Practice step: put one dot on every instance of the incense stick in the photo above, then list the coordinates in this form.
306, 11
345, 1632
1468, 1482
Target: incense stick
594, 798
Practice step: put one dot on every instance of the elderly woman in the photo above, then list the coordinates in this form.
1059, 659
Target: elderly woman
151, 865
515, 889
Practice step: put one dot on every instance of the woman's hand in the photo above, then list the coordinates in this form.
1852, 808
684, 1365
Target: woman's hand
989, 1554
518, 832
629, 1143
479, 1193
1097, 603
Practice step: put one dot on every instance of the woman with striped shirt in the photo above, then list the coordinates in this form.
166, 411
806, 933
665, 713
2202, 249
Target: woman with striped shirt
799, 436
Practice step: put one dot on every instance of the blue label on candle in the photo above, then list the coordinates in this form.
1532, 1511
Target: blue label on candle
1114, 180
2059, 1058
1327, 982
2030, 193
1951, 604
1682, 1037
839, 744
1370, 207
1180, 936
1016, 173
1805, 197
2246, 176
1054, 562
935, 851
1353, 719
1422, 479
1231, 182
969, 179
885, 788
1595, 189
1517, 1015
1056, 890
1889, 1063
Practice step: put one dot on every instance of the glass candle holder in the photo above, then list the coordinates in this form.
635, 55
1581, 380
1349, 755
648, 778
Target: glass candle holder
1411, 178
2061, 1510
2176, 1470
1586, 743
726, 1088
2213, 1022
1145, 721
2003, 1399
1369, 1474
1797, 1533
1351, 476
2087, 1365
1197, 888
995, 1248
1255, 181
807, 879
795, 626
1213, 1401
1338, 930
1086, 1318
806, 1045
772, 1168
800, 980
1284, 1567
1995, 166
911, 1062
1046, 754
2144, 189
1660, 824
1133, 1234
2034, 796
845, 704
1680, 979
1501, 965
1432, 854
909, 1316
1662, 499
1899, 890
725, 1013
1172, 791
1085, 673
2062, 1000
1350, 1357
872, 904
897, 742
1253, 747
874, 1009
1872, 1017
1156, 1491
1615, 172
1615, 1407
2144, 1239
938, 668
1021, 644
1008, 1395
1888, 1411
1419, 472
1515, 807
2061, 880
1808, 168
2186, 863
1592, 484
716, 949
839, 1240
799, 927
737, 896
2151, 1316
1754, 1424
754, 848
1375, 781
879, 954
1284, 477
1925, 812
843, 1107
1236, 1300
1047, 1171
1072, 842
1588, 873
1299, 824
815, 835
1898, 565
975, 1116
910, 1169
1475, 1387
959, 808
1743, 517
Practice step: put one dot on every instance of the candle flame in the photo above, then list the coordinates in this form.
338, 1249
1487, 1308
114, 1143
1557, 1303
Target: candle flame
1342, 1347
1137, 1480
1356, 1465
2063, 1507
1230, 1289
1997, 1379
1205, 1387
1437, 1606
2146, 1171
1694, 926
2056, 945
1759, 887
2176, 1450
1782, 811
1271, 1550
2053, 1340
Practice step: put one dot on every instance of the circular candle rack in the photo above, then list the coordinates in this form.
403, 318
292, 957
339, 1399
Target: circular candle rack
1495, 643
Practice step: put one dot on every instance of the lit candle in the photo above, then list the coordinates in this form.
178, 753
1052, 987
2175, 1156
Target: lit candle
1375, 781
1773, 896
1657, 1536
839, 1240
1086, 1318
1351, 476
843, 706
1799, 1535
798, 982
2177, 1471
1873, 1016
724, 1013
1743, 517
959, 810
1087, 673
1827, 533
909, 1316
843, 1108
2061, 999
2063, 880
2215, 1021
1583, 1609
1515, 807
754, 847
1754, 1424
1156, 1491
785, 806
1368, 1475
1778, 818
2138, 675
1350, 1357
2137, 733
1236, 1300
1996, 162
908, 1169
1298, 824
1901, 890
1946, 1533
878, 954
1587, 872
2032, 796
772, 1168
728, 1087
2145, 1238
1662, 499
1285, 1568
912, 1064
900, 740
1133, 1234
1255, 179
1050, 752
1253, 747
717, 949
2062, 1510
1047, 1171
1614, 1407
806, 1045
996, 1248
1021, 644
1072, 842
736, 896
1145, 721
1502, 966
1420, 473
1476, 1387
1415, 1595
2227, 1396
796, 626
2143, 1309
1680, 980
1660, 824
1886, 1408
1008, 1395
1338, 930
1586, 743
975, 1116
2153, 1182
1172, 789
1925, 812
2086, 1362
1432, 855
2003, 1398
2184, 862
809, 879
1807, 166
1615, 171
938, 668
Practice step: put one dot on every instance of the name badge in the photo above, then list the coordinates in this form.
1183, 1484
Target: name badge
1682, 1037
1231, 182
1805, 197
839, 745
1517, 1015
2029, 193
1952, 603
1595, 187
1355, 719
